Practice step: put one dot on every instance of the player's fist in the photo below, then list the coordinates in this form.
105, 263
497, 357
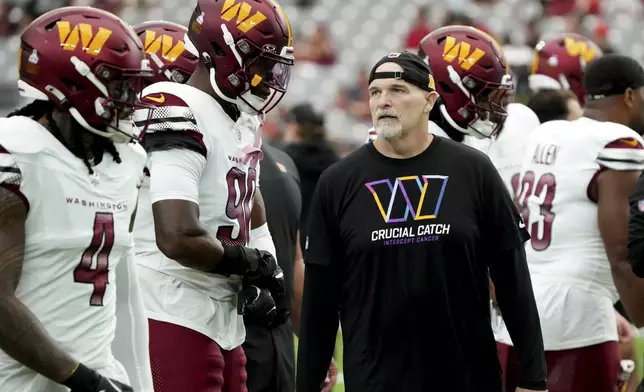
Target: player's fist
240, 260
256, 305
84, 379
274, 283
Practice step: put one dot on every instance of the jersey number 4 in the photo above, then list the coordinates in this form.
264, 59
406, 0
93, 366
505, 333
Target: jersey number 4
101, 246
538, 196
238, 206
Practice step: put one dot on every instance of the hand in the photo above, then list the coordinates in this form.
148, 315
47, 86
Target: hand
261, 264
240, 260
256, 305
85, 379
274, 283
624, 329
331, 377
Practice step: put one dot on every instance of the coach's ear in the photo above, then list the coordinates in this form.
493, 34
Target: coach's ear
431, 98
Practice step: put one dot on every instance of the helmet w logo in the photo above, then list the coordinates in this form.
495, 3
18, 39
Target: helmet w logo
461, 50
242, 11
163, 43
82, 32
579, 49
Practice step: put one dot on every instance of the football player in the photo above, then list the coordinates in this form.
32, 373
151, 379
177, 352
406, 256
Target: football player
69, 178
576, 177
164, 47
202, 225
559, 63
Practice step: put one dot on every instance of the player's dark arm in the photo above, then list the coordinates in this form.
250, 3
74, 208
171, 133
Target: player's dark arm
181, 236
318, 326
613, 191
514, 295
636, 229
22, 336
298, 286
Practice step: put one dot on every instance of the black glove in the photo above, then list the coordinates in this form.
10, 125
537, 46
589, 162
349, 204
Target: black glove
85, 379
274, 283
256, 305
240, 260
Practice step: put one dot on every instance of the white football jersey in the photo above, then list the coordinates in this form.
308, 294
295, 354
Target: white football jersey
173, 293
77, 231
570, 272
508, 148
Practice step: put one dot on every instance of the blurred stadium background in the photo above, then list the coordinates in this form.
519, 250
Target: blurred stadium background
336, 42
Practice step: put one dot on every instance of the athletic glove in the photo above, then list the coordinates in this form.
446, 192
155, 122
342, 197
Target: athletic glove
85, 379
274, 283
256, 305
240, 260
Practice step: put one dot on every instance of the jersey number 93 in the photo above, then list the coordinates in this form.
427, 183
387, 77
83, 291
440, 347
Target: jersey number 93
534, 201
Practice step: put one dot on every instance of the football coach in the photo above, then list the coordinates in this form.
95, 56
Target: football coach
401, 236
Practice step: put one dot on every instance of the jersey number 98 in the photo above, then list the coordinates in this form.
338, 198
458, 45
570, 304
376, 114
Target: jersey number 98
101, 246
241, 190
541, 194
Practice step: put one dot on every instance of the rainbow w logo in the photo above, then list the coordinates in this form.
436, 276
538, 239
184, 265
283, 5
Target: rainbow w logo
419, 197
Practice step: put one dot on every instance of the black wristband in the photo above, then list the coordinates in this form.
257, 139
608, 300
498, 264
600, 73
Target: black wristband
83, 379
233, 261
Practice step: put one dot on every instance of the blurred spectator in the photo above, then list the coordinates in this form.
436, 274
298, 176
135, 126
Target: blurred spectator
305, 136
418, 30
600, 37
355, 99
319, 49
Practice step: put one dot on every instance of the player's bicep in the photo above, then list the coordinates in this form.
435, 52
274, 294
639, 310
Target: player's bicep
174, 193
613, 190
13, 213
171, 125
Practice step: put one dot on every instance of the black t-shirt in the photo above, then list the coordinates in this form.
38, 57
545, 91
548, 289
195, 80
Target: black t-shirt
273, 348
279, 184
410, 239
636, 228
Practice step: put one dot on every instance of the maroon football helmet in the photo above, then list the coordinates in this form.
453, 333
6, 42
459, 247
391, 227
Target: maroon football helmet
472, 77
164, 47
89, 63
560, 62
246, 47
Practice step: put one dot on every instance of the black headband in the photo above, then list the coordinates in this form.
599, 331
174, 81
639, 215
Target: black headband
415, 70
